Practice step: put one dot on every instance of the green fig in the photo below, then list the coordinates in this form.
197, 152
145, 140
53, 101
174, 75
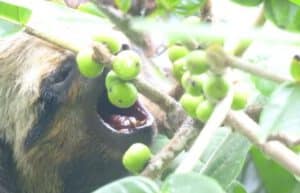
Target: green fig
136, 157
86, 64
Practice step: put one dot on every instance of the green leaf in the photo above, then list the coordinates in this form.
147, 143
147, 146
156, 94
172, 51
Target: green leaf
281, 114
273, 176
236, 187
189, 7
91, 8
284, 14
168, 4
123, 5
297, 2
133, 184
248, 2
191, 183
14, 13
227, 162
264, 86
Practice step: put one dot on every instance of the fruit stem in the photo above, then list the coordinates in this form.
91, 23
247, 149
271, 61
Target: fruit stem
219, 60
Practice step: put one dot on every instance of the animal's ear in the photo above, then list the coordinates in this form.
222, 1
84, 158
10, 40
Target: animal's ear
7, 174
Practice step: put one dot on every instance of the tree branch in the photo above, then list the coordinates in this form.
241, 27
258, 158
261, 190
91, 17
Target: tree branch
187, 132
123, 23
219, 59
275, 149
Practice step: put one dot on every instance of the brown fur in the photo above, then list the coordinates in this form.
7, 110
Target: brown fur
73, 155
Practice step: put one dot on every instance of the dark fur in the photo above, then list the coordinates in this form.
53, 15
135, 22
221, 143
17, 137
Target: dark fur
52, 139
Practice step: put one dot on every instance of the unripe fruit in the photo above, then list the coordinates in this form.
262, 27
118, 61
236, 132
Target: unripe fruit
295, 68
178, 69
136, 157
176, 52
192, 84
239, 100
127, 65
91, 8
86, 65
110, 40
204, 110
197, 62
122, 94
215, 87
110, 78
189, 103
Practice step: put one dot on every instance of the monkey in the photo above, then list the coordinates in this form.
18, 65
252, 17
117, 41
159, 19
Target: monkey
57, 134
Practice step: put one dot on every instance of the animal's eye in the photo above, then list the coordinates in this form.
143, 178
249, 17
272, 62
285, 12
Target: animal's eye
62, 72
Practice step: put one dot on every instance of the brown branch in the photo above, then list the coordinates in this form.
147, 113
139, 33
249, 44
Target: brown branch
157, 165
206, 13
123, 23
219, 59
275, 149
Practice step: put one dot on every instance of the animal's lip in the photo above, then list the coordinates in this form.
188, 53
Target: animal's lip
123, 120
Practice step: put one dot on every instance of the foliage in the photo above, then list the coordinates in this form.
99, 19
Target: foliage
220, 167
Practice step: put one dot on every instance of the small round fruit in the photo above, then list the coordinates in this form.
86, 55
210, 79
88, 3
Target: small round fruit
295, 68
86, 65
239, 100
136, 157
91, 8
192, 84
127, 65
179, 68
204, 110
197, 62
122, 94
176, 52
215, 87
110, 40
189, 103
110, 78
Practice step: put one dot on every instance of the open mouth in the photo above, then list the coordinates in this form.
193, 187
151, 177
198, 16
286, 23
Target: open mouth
123, 120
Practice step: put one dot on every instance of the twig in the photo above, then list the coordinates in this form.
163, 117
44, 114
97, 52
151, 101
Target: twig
288, 140
123, 23
174, 112
160, 161
206, 14
276, 150
218, 58
60, 42
210, 128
